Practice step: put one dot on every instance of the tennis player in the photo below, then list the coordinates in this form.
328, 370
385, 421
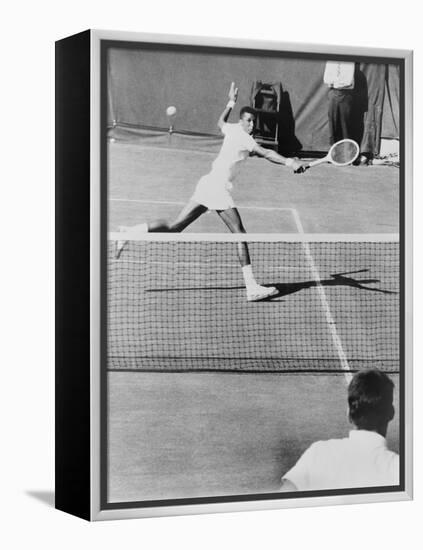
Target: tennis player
213, 190
362, 459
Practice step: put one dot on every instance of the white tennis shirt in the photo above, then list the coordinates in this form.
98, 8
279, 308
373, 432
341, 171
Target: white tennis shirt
360, 460
212, 190
237, 144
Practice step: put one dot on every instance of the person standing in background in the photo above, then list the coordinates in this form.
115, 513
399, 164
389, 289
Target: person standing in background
339, 77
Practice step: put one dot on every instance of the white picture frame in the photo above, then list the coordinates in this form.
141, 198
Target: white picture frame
81, 159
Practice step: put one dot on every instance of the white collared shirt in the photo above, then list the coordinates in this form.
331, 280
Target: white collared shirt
237, 145
360, 460
339, 75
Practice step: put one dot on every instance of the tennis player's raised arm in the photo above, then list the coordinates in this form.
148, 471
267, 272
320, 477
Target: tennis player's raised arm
233, 94
272, 156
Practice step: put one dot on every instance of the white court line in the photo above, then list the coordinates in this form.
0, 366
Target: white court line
142, 235
180, 203
165, 147
326, 237
329, 319
147, 201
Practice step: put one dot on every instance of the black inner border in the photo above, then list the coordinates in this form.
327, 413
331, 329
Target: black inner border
104, 47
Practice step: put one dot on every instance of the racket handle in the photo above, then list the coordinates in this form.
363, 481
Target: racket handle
318, 161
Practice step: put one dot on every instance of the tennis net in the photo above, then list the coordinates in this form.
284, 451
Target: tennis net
178, 303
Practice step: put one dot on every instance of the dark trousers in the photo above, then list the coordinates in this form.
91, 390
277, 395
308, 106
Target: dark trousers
339, 113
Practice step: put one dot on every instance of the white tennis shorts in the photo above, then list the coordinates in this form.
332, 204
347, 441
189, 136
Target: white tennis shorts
212, 192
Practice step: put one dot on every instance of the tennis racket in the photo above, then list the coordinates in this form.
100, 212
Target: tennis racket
341, 153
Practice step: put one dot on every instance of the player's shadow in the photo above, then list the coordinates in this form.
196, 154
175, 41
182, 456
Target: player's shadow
284, 289
336, 279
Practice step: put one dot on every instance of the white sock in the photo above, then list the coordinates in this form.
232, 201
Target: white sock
249, 279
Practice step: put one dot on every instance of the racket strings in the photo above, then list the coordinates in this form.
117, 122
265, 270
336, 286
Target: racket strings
344, 152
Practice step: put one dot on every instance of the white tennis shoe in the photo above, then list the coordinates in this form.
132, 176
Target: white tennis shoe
258, 292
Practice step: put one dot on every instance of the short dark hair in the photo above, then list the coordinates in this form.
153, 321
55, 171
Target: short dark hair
247, 109
370, 397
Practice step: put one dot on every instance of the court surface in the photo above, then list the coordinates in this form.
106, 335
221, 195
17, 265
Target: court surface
189, 434
146, 183
175, 435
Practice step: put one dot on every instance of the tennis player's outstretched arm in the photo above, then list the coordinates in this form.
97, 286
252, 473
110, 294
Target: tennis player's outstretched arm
233, 94
272, 156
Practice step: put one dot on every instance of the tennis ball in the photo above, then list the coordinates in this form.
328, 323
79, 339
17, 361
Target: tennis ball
170, 111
